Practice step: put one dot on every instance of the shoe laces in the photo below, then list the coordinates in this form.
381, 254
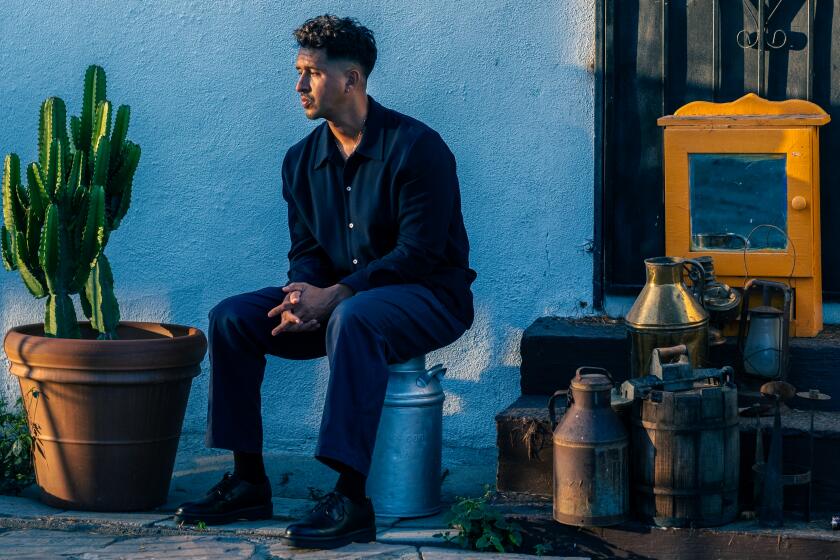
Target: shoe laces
331, 505
223, 486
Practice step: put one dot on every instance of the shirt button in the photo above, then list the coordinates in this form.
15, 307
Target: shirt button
350, 225
349, 189
355, 261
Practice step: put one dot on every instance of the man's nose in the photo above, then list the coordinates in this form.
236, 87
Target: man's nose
302, 84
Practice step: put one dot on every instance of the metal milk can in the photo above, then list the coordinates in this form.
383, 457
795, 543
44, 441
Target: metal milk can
591, 463
667, 313
405, 473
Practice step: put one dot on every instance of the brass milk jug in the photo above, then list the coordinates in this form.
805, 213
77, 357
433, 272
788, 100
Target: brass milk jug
667, 313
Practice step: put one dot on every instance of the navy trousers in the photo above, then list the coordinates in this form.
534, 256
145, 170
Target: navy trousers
364, 334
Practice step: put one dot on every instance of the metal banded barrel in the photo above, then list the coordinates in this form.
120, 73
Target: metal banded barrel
685, 456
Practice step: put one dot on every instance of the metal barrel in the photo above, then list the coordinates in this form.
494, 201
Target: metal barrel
405, 474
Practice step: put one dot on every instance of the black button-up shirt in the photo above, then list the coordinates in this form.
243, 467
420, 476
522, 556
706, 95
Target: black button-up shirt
390, 214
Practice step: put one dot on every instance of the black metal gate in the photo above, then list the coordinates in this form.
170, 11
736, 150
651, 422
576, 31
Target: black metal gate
653, 56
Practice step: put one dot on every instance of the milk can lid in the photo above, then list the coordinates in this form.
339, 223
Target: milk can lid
591, 382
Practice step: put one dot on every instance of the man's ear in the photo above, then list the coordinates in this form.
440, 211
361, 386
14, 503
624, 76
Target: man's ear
353, 78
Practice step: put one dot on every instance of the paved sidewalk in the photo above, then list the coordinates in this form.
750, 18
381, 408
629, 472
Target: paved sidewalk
31, 530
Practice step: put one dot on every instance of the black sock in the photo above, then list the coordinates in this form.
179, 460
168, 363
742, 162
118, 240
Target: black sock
352, 484
249, 466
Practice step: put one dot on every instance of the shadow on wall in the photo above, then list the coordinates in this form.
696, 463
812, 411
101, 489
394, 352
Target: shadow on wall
482, 378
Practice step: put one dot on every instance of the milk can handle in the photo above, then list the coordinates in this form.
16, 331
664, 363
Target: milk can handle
552, 415
593, 369
426, 377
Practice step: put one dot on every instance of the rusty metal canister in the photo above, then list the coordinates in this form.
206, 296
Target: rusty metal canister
667, 313
591, 464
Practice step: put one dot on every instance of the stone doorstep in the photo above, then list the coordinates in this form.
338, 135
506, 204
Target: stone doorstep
742, 539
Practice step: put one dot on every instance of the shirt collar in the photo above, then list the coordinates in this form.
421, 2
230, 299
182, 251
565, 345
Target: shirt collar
371, 146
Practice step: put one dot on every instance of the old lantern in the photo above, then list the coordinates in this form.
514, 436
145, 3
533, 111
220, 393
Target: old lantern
763, 333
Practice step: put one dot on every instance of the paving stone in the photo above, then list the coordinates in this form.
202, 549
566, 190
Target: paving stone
43, 544
291, 508
266, 527
372, 551
431, 522
415, 536
130, 519
175, 547
23, 508
458, 554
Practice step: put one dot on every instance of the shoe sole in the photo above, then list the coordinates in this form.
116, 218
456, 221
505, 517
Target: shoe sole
360, 536
248, 514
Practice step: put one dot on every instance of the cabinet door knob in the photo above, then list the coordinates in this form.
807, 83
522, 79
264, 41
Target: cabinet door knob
798, 203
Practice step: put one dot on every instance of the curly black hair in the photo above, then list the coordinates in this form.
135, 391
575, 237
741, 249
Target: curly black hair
341, 38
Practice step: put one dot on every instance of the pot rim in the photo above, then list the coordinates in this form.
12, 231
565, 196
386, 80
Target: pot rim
179, 346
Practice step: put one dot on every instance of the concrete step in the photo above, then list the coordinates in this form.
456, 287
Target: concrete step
552, 348
523, 437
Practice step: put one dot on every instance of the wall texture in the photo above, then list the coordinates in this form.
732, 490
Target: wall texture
507, 84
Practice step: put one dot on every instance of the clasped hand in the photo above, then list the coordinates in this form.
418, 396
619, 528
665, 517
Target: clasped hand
306, 307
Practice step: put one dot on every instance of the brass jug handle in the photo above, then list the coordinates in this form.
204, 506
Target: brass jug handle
697, 274
552, 414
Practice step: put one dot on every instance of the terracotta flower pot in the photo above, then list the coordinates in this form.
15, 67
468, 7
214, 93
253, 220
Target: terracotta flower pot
108, 415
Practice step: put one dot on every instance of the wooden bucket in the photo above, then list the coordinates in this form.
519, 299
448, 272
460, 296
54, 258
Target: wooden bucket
685, 453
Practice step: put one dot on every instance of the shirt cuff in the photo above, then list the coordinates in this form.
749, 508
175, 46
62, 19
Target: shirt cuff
357, 281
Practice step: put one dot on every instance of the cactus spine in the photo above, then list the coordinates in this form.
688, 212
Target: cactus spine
56, 228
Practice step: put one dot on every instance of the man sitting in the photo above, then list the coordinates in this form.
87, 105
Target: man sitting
378, 271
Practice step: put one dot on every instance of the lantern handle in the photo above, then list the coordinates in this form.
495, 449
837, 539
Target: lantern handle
787, 237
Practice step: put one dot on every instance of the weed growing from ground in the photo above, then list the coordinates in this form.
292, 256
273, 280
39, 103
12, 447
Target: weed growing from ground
480, 527
16, 470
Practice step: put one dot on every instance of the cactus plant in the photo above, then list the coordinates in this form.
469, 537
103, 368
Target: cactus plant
56, 228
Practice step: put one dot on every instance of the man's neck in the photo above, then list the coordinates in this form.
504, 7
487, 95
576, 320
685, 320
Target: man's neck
347, 127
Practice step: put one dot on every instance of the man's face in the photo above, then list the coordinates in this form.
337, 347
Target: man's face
321, 83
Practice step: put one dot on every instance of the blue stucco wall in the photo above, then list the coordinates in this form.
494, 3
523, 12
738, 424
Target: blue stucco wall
507, 84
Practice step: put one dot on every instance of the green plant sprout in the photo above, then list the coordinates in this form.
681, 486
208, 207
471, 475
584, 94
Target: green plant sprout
480, 527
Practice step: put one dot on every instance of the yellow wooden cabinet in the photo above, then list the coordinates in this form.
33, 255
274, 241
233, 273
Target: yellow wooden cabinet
745, 175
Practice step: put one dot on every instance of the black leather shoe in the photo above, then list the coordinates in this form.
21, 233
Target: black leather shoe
229, 500
334, 522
